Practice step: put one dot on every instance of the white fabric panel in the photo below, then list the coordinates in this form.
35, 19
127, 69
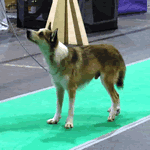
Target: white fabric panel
3, 19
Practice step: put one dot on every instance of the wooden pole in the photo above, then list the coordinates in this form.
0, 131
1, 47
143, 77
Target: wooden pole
66, 16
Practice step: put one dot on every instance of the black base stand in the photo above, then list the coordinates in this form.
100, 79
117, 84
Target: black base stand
32, 20
99, 15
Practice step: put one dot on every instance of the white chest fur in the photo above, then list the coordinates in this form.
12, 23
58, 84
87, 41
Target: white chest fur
61, 80
61, 51
58, 79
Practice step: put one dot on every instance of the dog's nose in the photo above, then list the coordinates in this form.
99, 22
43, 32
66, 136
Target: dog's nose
28, 33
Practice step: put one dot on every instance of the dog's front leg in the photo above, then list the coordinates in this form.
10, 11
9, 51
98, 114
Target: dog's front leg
57, 116
69, 122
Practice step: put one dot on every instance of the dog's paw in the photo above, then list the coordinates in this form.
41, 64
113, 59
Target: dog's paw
109, 109
69, 125
117, 111
112, 115
111, 118
52, 121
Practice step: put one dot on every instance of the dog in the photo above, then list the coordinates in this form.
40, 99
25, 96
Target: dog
73, 67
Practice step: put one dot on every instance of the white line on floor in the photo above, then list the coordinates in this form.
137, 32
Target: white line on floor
122, 129
23, 66
19, 96
139, 61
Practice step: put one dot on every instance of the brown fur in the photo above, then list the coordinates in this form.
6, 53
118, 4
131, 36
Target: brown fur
80, 66
84, 63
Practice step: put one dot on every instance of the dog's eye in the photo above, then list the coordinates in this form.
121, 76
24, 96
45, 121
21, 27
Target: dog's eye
41, 34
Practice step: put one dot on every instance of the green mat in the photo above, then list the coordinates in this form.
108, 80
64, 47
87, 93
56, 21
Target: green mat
23, 120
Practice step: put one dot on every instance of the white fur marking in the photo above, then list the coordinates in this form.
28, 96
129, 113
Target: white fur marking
69, 123
61, 52
44, 47
62, 80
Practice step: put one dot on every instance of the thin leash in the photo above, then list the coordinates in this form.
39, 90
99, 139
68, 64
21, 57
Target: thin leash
14, 32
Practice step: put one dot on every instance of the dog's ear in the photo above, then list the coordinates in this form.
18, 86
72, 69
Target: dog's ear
49, 26
54, 36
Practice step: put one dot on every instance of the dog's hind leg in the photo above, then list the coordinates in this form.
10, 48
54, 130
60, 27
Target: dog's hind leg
69, 121
57, 116
118, 107
108, 82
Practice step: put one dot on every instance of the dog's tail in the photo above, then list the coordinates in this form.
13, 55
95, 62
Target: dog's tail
120, 79
97, 75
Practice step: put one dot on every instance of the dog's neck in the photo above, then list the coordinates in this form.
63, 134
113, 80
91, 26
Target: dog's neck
45, 49
61, 51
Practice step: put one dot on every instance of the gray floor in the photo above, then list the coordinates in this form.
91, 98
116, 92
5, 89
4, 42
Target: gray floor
132, 38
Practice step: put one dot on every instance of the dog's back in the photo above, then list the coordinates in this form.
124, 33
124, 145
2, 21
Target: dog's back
93, 60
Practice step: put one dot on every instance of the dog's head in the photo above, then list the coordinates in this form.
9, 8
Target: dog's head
44, 37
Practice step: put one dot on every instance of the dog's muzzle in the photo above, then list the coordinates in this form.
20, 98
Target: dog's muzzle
28, 34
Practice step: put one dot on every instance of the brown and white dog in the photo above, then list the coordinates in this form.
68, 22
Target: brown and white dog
73, 67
